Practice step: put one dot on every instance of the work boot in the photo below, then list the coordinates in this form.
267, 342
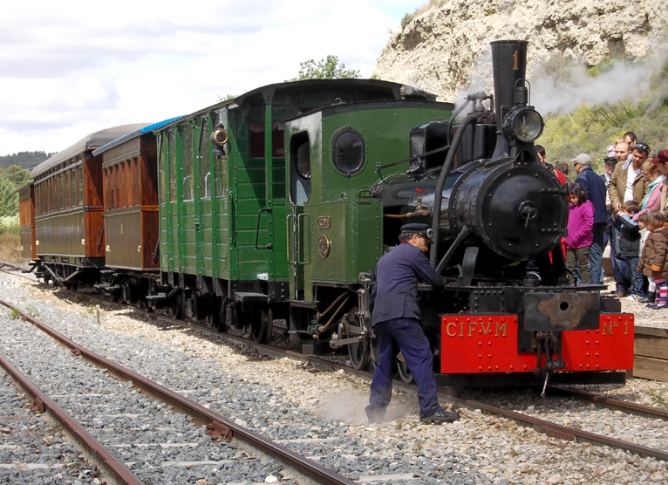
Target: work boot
439, 417
375, 414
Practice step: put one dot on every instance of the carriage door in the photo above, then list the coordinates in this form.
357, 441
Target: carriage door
298, 222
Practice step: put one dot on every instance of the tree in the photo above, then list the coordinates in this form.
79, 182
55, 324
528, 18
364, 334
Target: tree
328, 68
18, 176
9, 200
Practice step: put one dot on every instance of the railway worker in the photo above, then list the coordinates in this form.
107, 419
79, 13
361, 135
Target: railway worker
596, 193
396, 322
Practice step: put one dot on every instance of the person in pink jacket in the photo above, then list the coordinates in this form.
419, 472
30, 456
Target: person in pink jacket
580, 231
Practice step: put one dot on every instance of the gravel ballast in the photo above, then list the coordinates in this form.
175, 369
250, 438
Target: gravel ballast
319, 413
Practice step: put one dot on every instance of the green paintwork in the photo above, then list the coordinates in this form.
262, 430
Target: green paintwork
356, 231
214, 233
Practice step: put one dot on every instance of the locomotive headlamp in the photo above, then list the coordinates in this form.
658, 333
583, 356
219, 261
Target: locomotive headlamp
525, 124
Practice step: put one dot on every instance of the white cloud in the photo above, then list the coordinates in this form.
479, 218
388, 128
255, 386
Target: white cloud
69, 68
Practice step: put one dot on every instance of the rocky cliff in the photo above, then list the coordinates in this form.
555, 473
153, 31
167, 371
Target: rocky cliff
446, 47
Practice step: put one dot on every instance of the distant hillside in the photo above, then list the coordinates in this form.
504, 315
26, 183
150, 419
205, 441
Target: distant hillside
27, 160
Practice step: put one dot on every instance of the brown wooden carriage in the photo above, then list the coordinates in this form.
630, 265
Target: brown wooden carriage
70, 239
27, 221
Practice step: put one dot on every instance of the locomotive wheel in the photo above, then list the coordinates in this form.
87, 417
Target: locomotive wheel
360, 356
127, 291
262, 325
403, 370
178, 305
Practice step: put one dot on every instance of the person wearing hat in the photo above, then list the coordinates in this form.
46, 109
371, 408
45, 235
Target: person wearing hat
596, 193
395, 318
610, 162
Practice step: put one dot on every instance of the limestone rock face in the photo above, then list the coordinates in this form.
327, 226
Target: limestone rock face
442, 49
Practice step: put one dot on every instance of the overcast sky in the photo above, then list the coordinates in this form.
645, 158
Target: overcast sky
69, 68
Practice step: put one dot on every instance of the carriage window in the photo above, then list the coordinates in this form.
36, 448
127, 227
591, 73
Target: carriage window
204, 162
300, 168
256, 139
135, 182
187, 162
348, 150
61, 188
81, 183
171, 153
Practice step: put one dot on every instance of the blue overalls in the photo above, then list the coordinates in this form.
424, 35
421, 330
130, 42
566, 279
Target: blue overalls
396, 323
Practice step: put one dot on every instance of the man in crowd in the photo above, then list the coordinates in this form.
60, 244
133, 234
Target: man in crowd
596, 193
396, 322
630, 138
562, 167
610, 162
542, 157
627, 183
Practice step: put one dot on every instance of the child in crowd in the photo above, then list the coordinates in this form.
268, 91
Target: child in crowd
629, 245
643, 218
654, 261
580, 231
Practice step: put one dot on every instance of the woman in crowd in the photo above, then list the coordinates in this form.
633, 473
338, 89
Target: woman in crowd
652, 200
580, 231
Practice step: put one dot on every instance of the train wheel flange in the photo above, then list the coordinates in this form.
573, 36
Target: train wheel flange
262, 324
178, 305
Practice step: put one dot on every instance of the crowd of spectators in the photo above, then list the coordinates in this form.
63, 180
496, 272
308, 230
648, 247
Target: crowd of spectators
626, 207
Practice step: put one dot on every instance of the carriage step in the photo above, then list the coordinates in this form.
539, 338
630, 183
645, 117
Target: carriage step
244, 297
159, 296
107, 289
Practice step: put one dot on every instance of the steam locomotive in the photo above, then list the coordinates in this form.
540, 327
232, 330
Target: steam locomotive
277, 205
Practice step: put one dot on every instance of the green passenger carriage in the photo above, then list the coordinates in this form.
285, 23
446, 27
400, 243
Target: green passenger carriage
227, 245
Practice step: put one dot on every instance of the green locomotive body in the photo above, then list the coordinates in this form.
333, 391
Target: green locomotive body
335, 227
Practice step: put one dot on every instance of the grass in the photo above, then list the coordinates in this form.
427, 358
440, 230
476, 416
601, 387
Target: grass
10, 239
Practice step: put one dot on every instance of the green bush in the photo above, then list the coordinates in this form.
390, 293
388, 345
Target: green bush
10, 225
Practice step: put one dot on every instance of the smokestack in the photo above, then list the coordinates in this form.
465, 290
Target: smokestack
509, 63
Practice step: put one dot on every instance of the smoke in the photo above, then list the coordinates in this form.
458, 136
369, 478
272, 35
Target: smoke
349, 408
563, 92
559, 85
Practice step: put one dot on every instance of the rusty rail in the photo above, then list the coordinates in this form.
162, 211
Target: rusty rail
539, 425
41, 403
610, 402
218, 425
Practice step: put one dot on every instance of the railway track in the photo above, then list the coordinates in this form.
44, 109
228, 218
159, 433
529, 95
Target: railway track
541, 425
218, 426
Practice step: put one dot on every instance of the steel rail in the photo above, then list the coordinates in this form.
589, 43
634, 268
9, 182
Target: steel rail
222, 426
610, 402
543, 426
116, 470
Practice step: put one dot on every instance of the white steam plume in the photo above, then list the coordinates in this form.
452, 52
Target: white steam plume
552, 94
